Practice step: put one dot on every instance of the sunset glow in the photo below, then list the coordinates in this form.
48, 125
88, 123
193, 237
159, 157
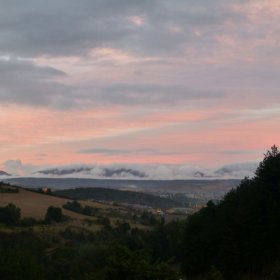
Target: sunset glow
138, 82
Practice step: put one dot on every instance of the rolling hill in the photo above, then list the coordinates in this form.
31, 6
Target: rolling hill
3, 173
111, 195
35, 205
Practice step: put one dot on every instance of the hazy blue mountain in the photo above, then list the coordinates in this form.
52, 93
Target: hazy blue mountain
104, 172
3, 173
59, 172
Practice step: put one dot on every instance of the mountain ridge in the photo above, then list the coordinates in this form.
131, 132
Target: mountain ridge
3, 173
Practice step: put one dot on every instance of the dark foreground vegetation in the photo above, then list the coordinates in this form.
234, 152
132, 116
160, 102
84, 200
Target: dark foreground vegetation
112, 253
235, 238
239, 237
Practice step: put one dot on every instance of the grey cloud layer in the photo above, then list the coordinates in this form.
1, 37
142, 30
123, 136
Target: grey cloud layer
59, 27
64, 27
23, 82
51, 28
154, 94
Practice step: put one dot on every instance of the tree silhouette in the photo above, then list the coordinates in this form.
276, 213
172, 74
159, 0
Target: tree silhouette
54, 214
239, 235
9, 214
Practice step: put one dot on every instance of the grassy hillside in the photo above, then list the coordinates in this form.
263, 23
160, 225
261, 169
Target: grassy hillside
35, 205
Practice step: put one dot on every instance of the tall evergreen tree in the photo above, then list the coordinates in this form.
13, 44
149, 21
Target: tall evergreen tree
241, 234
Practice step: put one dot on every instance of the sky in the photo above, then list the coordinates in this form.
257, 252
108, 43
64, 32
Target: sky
129, 82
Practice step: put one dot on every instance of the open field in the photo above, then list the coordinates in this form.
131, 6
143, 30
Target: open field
35, 205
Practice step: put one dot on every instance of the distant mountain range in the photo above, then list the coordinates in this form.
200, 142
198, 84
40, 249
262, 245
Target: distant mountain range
105, 172
61, 172
3, 173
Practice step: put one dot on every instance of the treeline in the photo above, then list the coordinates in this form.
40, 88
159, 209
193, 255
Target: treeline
145, 218
239, 237
111, 195
10, 214
75, 206
120, 252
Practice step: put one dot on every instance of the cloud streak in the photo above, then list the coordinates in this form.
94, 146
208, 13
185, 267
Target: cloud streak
105, 151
